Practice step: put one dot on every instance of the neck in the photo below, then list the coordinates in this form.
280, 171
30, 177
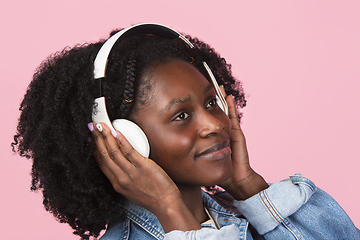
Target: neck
192, 198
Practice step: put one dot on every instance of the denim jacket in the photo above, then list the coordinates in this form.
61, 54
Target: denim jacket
290, 209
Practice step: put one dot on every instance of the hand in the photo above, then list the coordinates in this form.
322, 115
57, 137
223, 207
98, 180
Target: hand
244, 181
141, 180
137, 178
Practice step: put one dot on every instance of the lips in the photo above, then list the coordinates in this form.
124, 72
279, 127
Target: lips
218, 150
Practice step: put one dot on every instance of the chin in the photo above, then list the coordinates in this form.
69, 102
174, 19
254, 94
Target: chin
217, 181
220, 176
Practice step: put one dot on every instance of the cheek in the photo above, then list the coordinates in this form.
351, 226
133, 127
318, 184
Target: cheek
170, 146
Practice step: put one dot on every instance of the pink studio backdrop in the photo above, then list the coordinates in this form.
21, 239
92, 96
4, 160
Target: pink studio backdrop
298, 61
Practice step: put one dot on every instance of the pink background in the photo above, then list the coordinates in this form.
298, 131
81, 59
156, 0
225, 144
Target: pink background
299, 62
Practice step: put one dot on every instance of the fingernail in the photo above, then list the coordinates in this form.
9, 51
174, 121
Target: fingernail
99, 127
91, 127
114, 133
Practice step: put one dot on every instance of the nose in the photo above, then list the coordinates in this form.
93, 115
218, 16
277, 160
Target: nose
209, 125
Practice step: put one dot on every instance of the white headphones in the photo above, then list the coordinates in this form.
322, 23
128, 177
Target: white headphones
130, 130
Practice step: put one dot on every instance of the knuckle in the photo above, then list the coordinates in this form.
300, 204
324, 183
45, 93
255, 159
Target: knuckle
104, 135
235, 127
102, 156
113, 154
121, 184
116, 187
128, 154
232, 116
95, 137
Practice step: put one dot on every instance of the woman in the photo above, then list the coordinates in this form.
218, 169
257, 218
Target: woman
159, 83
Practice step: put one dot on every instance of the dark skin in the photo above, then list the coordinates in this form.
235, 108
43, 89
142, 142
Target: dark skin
193, 143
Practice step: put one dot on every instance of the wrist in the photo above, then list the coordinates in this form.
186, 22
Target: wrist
175, 215
248, 187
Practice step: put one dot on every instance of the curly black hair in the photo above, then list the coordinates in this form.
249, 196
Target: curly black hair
52, 128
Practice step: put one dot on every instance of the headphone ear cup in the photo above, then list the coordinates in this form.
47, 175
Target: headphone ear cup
134, 134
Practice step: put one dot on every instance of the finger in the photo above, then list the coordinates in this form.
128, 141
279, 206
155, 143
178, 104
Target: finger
108, 153
237, 137
128, 151
101, 155
111, 155
101, 148
100, 144
120, 180
120, 150
235, 124
110, 159
107, 172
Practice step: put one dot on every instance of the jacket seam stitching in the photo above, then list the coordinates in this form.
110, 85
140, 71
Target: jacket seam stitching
270, 207
288, 224
144, 225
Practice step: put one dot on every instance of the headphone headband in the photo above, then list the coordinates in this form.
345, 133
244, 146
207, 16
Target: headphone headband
143, 28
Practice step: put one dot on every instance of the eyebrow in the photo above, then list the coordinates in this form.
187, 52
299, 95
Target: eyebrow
175, 102
185, 99
207, 88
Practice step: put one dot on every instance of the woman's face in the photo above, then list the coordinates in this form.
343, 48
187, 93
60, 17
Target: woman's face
188, 133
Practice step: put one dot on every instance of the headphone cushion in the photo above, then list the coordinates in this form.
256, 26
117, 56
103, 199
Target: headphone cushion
134, 134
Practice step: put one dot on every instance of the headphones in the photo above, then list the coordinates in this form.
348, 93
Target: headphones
132, 132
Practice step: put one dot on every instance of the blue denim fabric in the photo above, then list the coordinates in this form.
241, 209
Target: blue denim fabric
290, 209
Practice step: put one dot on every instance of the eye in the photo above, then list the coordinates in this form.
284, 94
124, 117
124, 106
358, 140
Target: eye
181, 116
212, 103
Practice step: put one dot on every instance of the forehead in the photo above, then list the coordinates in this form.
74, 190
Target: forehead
177, 76
172, 80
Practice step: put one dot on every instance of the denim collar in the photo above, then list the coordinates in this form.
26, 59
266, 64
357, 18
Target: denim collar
220, 202
149, 222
